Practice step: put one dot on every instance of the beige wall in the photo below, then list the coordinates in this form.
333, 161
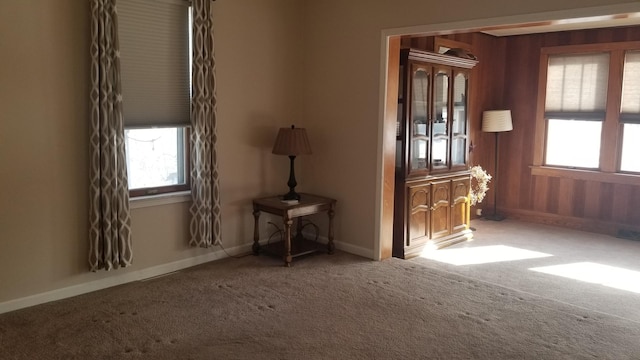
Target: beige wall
313, 63
43, 144
44, 85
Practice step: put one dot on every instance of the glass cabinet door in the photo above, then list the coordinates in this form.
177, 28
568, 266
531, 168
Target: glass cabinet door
439, 125
420, 96
459, 120
400, 124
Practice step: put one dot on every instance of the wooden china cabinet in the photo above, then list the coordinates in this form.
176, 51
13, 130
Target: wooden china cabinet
432, 171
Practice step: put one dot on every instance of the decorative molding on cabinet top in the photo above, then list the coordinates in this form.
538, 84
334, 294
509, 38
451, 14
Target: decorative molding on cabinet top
441, 59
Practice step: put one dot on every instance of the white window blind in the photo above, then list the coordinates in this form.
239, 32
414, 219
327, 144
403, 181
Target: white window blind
577, 86
630, 108
154, 61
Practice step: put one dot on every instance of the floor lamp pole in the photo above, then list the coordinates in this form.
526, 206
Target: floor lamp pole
495, 216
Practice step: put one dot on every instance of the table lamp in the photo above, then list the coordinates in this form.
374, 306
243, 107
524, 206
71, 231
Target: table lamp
292, 142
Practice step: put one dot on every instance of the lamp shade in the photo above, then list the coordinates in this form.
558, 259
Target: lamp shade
292, 141
496, 121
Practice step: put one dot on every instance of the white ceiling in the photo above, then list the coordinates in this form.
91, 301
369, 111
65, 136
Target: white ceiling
628, 19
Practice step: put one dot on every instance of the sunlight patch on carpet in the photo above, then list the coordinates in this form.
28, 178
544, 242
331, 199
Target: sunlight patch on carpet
481, 255
595, 273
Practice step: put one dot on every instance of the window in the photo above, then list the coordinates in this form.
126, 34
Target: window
630, 113
155, 63
630, 148
575, 109
156, 160
589, 115
581, 150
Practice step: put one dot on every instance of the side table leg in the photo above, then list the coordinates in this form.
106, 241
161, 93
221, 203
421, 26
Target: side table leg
287, 241
330, 246
256, 232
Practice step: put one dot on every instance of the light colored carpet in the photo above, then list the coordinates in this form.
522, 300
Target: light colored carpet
565, 246
324, 307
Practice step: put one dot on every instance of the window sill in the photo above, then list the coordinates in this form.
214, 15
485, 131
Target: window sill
158, 200
589, 175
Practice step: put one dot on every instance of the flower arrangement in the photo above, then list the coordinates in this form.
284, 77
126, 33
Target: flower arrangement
479, 181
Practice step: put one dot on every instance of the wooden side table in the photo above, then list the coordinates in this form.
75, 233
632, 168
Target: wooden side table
307, 205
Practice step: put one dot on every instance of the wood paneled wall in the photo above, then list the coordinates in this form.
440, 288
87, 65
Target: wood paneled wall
589, 205
507, 77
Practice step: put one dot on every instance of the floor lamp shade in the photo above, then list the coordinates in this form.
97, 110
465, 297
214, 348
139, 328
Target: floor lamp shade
292, 142
496, 121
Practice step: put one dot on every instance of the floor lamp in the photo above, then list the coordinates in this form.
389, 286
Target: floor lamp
496, 121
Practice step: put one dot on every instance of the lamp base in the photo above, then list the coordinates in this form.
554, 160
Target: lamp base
291, 195
494, 217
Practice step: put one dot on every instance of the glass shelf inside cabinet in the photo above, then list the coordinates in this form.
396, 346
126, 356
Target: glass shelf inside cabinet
419, 154
459, 120
441, 102
420, 101
439, 152
440, 123
420, 97
458, 147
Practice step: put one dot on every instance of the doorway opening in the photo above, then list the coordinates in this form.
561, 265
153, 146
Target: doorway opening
606, 16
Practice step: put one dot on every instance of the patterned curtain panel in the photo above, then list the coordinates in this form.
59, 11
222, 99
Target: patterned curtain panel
205, 209
110, 221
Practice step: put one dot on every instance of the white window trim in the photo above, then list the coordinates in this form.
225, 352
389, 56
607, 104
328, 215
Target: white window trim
140, 202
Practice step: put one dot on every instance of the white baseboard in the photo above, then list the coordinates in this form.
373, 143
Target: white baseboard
352, 249
124, 278
355, 250
147, 273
